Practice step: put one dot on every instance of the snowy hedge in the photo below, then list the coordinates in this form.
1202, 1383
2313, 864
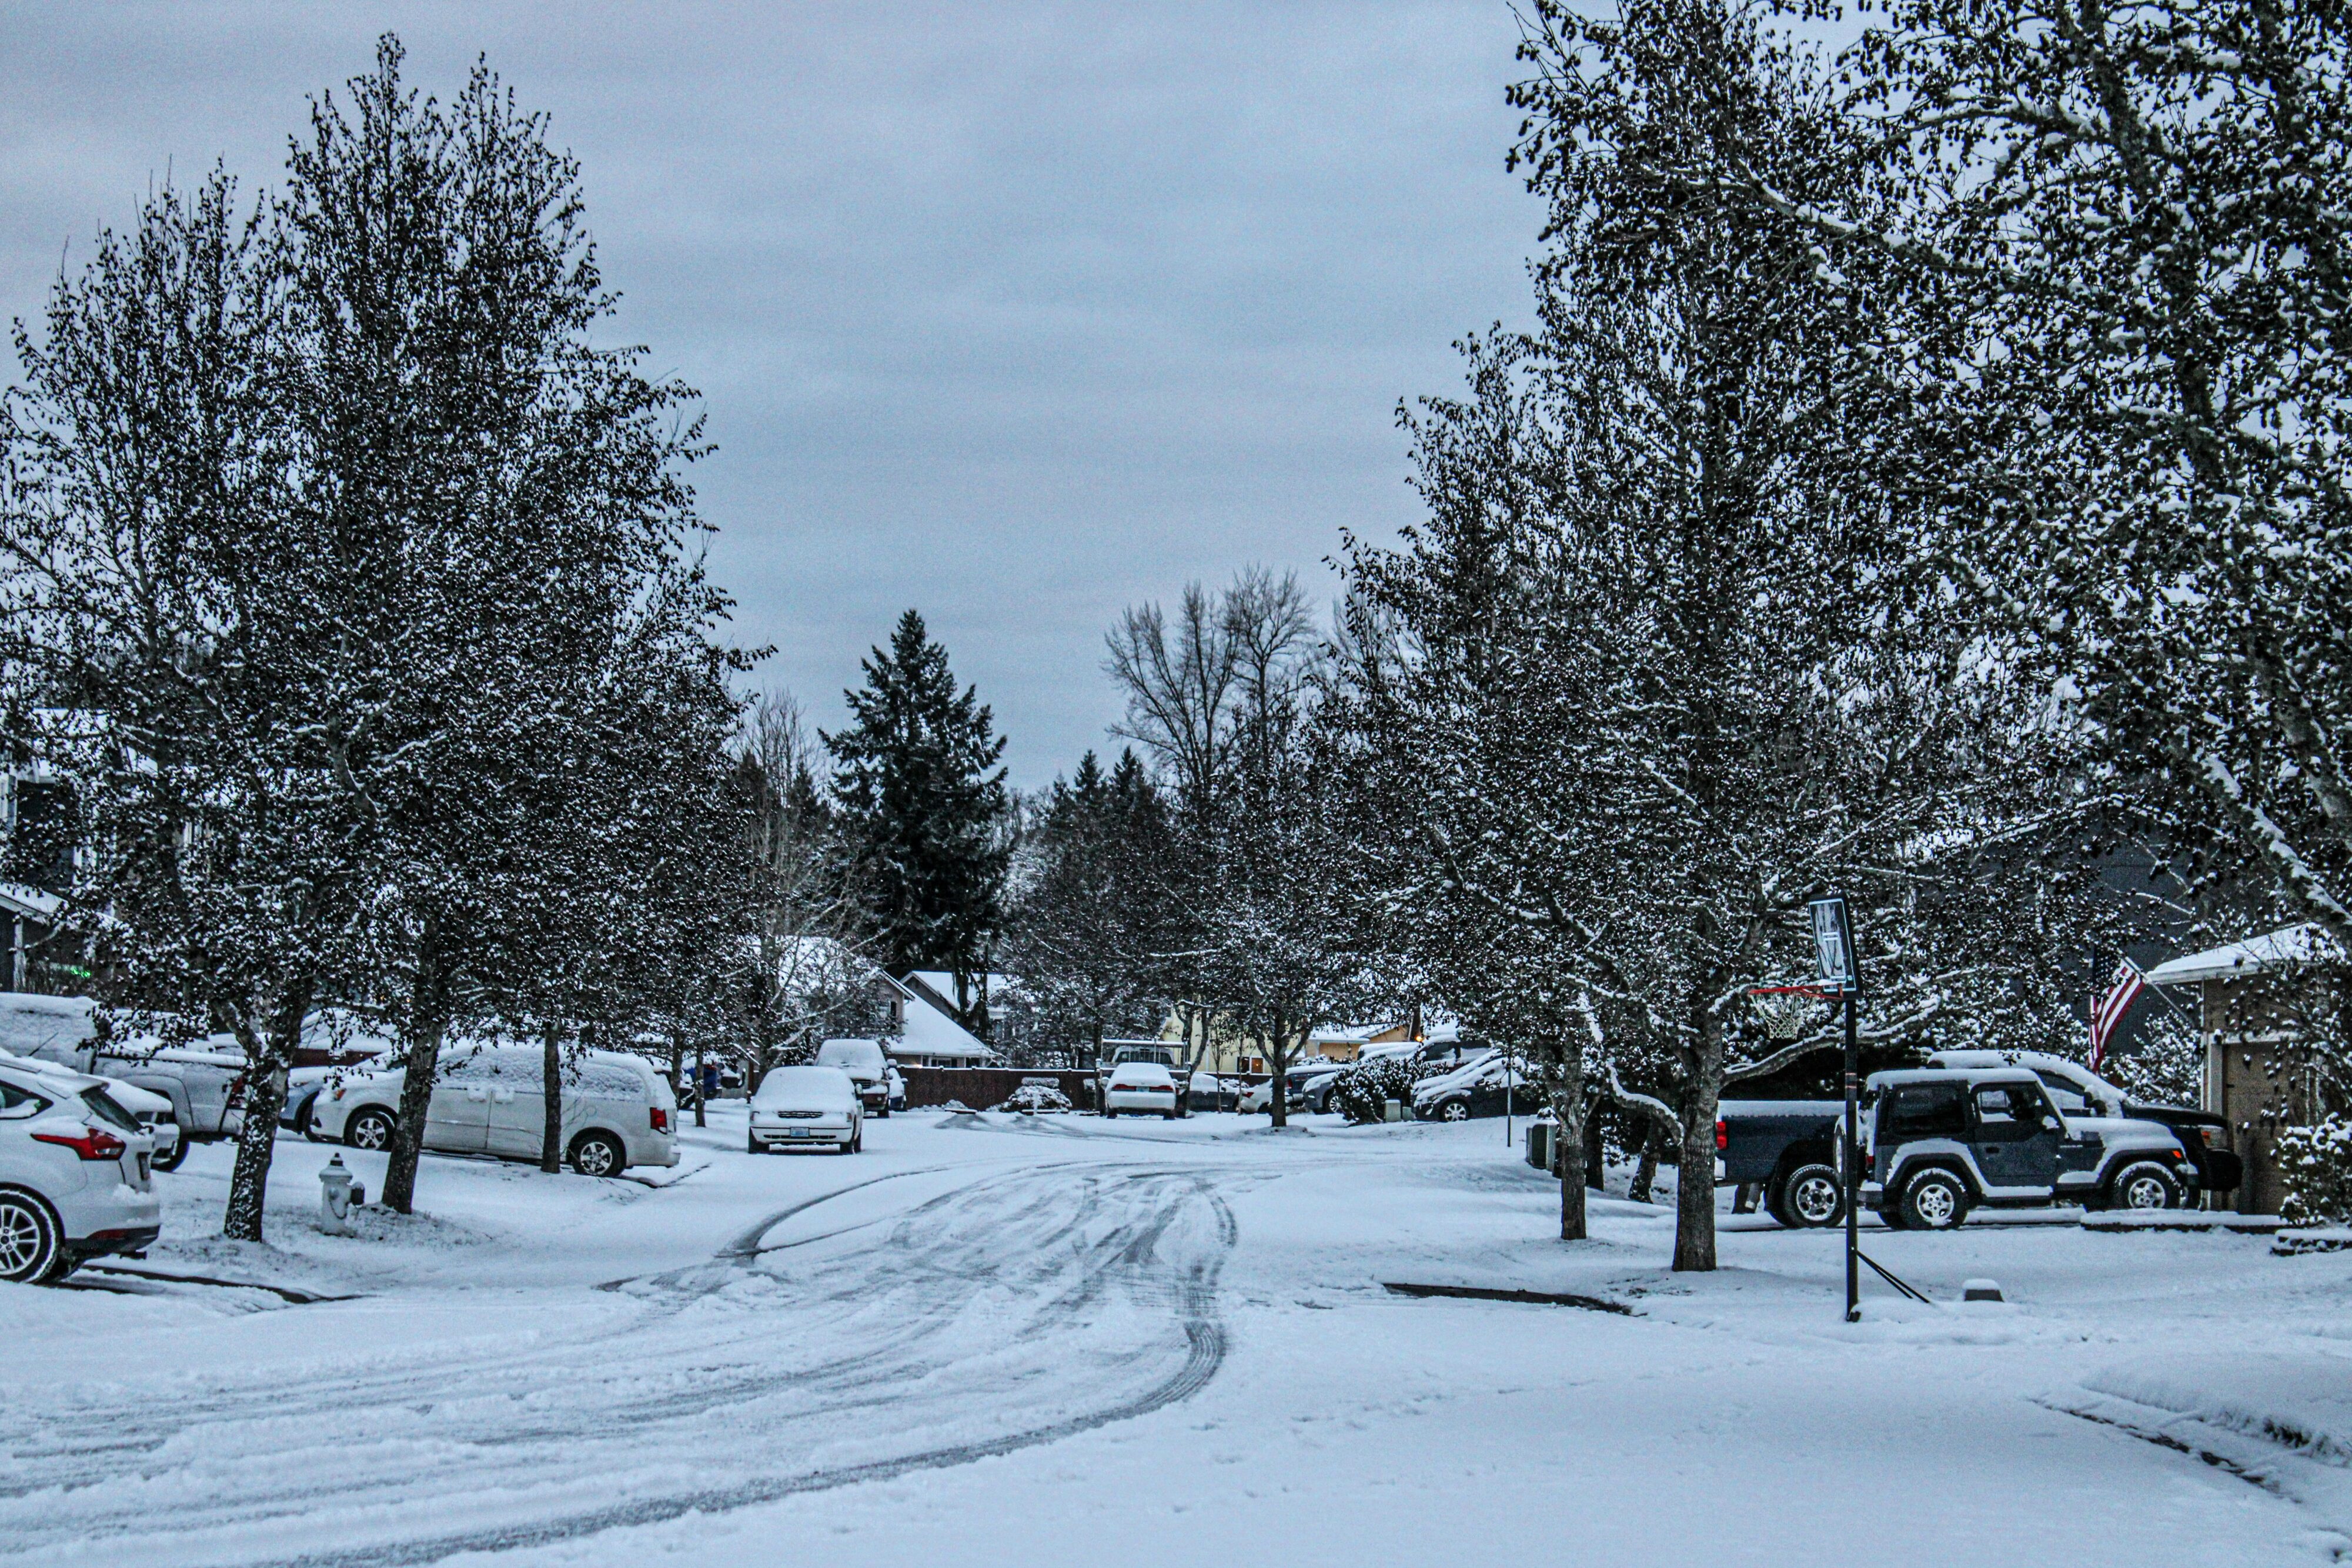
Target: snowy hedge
1037, 1097
2317, 1165
1359, 1091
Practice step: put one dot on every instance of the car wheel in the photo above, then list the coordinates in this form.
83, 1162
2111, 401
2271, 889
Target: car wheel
175, 1159
2144, 1186
369, 1129
1170, 1117
1110, 1115
857, 1143
1810, 1198
1454, 1111
883, 1114
596, 1155
30, 1246
1935, 1201
750, 1144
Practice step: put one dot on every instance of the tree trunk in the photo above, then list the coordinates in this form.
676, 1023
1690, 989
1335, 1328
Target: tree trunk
1596, 1147
551, 1139
428, 1021
1695, 1177
268, 1054
701, 1085
1572, 1153
1645, 1174
1277, 1097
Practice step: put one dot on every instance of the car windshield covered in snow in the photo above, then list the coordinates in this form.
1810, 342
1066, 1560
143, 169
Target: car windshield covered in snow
860, 1057
806, 1089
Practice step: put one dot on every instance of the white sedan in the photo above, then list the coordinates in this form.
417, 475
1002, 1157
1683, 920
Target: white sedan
73, 1174
808, 1108
1142, 1087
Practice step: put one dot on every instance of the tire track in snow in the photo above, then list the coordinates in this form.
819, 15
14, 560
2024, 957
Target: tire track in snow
1075, 1297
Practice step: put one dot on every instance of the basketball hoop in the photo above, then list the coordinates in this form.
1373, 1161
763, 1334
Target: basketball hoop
1784, 1009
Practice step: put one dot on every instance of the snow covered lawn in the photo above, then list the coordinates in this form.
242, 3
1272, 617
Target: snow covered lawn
996, 1339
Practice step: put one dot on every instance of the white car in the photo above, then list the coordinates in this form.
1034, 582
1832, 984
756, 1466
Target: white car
1142, 1088
807, 1107
868, 1067
491, 1099
152, 1112
74, 1182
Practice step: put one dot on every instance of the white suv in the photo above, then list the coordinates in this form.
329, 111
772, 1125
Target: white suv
74, 1181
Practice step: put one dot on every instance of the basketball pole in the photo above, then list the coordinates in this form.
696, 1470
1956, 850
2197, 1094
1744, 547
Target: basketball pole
1853, 1165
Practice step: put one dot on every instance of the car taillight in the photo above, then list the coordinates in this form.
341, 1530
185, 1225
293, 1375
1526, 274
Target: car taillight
660, 1118
1722, 1136
93, 1143
236, 1093
2210, 1135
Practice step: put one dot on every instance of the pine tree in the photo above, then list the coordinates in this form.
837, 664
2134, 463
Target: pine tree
1089, 936
922, 803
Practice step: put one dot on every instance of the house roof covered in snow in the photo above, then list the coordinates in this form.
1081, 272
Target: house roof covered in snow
2274, 950
28, 903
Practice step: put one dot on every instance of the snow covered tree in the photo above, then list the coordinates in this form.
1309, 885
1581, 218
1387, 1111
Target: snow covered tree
1665, 667
1089, 934
492, 491
2115, 238
922, 804
152, 498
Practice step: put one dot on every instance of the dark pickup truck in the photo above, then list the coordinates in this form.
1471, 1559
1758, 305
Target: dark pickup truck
1788, 1150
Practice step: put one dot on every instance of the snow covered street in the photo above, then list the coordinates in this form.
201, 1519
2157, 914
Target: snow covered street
996, 1339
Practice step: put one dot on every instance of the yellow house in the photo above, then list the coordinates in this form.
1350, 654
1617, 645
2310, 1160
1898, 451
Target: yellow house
1230, 1052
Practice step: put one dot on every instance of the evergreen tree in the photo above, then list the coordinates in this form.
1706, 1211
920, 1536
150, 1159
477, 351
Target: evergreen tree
922, 803
1090, 934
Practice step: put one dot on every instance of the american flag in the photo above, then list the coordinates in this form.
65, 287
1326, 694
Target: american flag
2107, 1010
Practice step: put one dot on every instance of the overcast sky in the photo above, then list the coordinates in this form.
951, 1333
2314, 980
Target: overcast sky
1014, 312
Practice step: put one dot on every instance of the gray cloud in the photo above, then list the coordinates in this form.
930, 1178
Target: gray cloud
1014, 312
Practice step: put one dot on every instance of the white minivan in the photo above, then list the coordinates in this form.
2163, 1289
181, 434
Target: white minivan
491, 1099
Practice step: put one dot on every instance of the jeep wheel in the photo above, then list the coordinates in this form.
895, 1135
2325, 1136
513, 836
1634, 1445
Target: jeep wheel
1935, 1201
2144, 1186
1810, 1198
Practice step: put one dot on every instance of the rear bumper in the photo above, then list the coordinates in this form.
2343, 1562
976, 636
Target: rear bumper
132, 1238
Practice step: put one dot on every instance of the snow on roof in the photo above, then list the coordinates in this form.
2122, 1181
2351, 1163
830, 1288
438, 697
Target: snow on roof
1348, 1034
930, 1032
2276, 949
29, 903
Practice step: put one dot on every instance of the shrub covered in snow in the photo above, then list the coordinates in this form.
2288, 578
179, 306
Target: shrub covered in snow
1037, 1097
1359, 1091
2168, 1068
2316, 1164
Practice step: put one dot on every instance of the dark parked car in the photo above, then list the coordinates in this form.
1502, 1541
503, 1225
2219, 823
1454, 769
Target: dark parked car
1486, 1085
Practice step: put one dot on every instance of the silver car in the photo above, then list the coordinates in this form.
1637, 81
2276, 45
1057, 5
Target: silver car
492, 1099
